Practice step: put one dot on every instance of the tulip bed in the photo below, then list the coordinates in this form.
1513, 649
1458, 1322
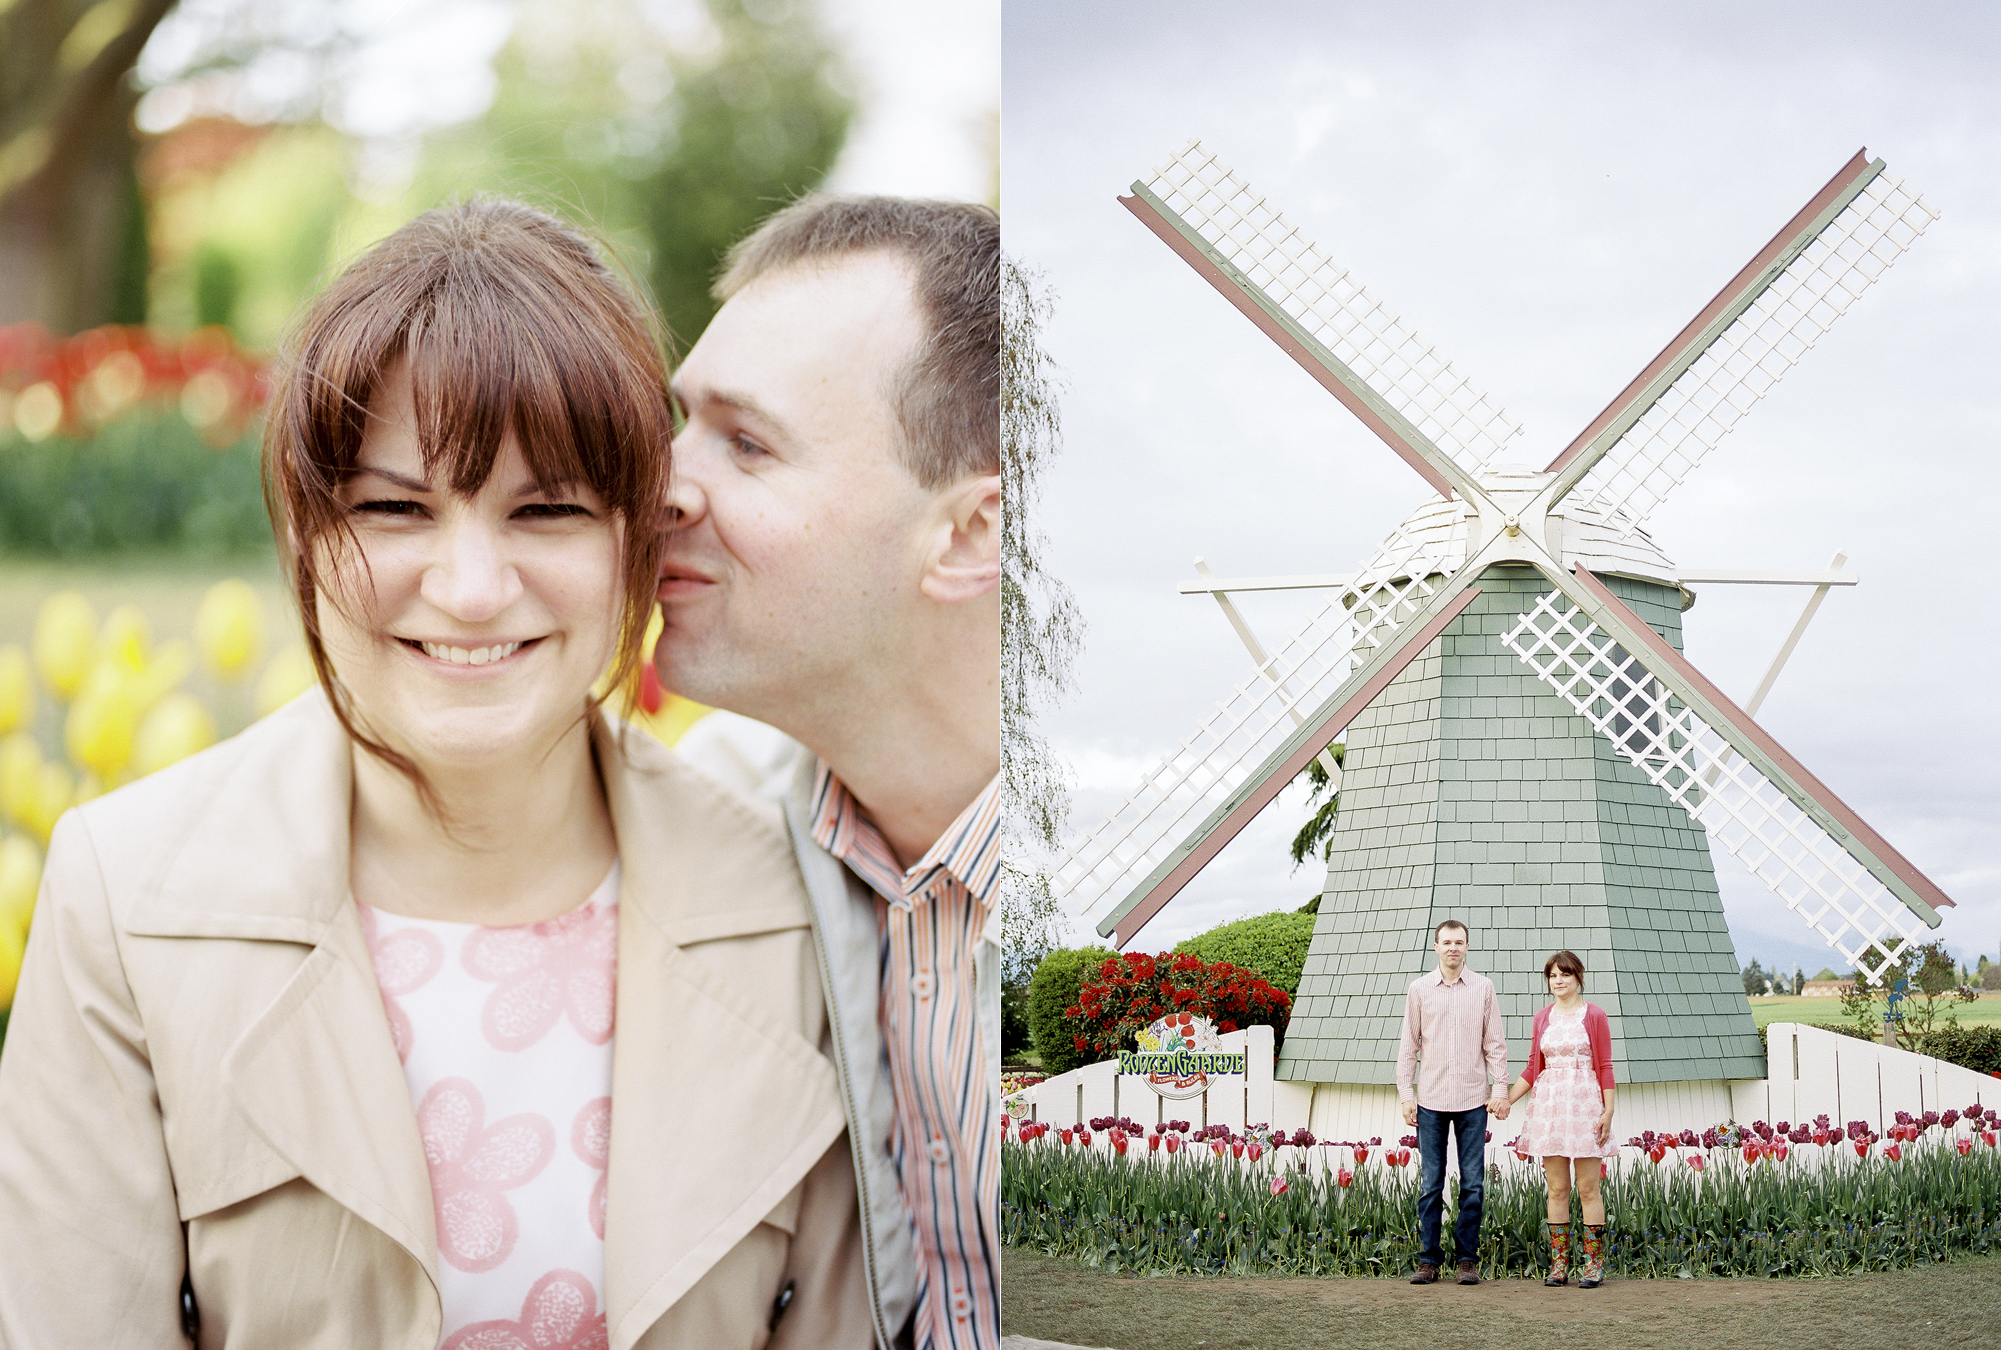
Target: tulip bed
1733, 1201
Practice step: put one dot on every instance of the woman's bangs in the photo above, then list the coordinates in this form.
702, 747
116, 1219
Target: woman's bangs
472, 379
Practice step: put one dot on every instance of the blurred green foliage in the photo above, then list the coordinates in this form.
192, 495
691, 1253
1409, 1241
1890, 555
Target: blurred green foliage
146, 482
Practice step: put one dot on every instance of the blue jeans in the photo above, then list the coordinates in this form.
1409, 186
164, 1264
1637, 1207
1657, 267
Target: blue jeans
1470, 1128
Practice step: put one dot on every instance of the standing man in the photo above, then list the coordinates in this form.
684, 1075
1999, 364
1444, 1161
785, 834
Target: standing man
1452, 1069
833, 570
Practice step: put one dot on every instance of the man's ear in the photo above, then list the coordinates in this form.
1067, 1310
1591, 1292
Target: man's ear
963, 562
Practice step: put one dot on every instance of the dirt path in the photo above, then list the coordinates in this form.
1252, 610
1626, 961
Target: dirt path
1935, 1307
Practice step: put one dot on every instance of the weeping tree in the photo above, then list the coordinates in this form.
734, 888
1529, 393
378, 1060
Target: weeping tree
1042, 629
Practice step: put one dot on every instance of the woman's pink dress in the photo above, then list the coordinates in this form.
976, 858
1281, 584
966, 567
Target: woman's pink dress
1566, 1104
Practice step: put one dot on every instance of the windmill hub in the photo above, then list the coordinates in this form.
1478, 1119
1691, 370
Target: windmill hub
1509, 526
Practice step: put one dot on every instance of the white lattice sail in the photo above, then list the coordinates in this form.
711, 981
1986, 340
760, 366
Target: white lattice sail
1742, 810
1751, 355
1181, 791
1331, 305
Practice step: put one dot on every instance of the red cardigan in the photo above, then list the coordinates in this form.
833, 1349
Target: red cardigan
1596, 1025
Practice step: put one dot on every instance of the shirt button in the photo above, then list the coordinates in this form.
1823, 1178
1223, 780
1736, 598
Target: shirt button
941, 1152
921, 984
962, 1306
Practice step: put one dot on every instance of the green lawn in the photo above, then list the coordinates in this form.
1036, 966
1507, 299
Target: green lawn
1778, 1008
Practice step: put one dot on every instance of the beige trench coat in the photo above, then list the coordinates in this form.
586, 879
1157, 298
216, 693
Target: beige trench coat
199, 1076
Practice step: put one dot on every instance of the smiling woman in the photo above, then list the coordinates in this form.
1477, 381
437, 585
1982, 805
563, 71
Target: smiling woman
319, 1032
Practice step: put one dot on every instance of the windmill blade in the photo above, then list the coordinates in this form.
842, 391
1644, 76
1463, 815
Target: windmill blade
1753, 798
1189, 785
1374, 362
1742, 343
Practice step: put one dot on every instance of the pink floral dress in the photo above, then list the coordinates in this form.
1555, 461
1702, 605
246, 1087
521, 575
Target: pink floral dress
505, 1036
1566, 1104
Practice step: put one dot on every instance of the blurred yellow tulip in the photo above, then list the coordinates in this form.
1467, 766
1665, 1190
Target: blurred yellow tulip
177, 727
20, 772
20, 878
11, 947
672, 719
17, 688
54, 793
229, 628
104, 719
65, 633
172, 663
125, 638
289, 675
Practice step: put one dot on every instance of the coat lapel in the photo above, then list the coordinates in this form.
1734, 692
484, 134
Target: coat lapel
720, 1103
315, 1074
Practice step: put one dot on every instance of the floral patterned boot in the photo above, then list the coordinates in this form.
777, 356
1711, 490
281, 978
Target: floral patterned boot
1559, 1255
1592, 1244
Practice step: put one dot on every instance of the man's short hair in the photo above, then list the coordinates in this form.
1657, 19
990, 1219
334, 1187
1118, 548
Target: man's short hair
948, 398
1450, 923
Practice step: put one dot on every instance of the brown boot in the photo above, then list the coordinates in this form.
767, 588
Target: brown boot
1469, 1273
1559, 1256
1426, 1273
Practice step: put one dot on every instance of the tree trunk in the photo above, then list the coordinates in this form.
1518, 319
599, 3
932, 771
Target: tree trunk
67, 184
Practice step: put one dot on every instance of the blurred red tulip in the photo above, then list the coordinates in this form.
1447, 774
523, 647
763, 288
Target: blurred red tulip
1894, 1152
1697, 1161
1345, 1178
1279, 1185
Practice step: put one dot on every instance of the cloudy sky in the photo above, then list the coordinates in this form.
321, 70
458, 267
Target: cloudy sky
1547, 194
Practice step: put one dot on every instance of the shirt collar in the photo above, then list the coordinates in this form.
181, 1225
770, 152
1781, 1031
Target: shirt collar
1438, 975
968, 851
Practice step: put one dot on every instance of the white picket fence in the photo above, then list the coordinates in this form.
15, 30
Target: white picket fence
1812, 1071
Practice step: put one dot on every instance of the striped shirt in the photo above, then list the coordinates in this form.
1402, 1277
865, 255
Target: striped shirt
945, 1147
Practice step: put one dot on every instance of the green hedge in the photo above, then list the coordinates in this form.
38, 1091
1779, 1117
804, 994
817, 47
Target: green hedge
1273, 945
146, 482
1053, 989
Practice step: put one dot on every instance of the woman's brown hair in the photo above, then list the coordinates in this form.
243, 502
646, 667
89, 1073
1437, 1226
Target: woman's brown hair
509, 320
1568, 962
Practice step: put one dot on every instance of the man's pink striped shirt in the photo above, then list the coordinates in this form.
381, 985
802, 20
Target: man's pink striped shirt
1452, 1044
946, 1148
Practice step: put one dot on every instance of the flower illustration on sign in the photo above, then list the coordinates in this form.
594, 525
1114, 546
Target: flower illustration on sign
1177, 1055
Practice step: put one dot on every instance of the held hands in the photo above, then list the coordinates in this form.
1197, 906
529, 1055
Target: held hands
1498, 1107
1410, 1113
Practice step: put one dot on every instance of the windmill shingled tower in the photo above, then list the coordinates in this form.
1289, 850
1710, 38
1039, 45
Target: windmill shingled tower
1527, 749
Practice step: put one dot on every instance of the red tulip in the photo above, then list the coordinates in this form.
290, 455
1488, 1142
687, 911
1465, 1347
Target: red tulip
1778, 1151
1345, 1177
1657, 1152
1153, 1143
1119, 1144
1752, 1153
1004, 1122
1083, 1136
1257, 1150
1403, 1157
1990, 1138
1894, 1152
1279, 1185
1361, 1154
1965, 1146
1173, 1142
1067, 1135
1236, 1149
1697, 1161
1216, 1147
1820, 1137
1861, 1148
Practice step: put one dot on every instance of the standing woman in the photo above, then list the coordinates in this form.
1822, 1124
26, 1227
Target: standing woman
435, 1009
1570, 1121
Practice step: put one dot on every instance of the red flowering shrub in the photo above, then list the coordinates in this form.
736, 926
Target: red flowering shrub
1130, 992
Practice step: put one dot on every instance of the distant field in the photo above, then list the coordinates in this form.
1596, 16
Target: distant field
1987, 1012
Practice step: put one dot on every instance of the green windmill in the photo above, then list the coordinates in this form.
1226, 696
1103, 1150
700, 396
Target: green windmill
1526, 748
